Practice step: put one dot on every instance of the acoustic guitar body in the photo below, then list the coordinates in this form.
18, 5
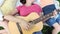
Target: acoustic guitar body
36, 27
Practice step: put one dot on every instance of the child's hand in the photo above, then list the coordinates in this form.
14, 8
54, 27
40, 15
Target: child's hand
25, 25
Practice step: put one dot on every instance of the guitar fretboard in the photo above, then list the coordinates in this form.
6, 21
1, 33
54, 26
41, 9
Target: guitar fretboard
42, 18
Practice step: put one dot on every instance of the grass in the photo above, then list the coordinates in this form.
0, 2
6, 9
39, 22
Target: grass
59, 0
47, 30
59, 33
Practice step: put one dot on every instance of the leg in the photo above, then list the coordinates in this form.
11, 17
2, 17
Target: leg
56, 28
52, 22
55, 31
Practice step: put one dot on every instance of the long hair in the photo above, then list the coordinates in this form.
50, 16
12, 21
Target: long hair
23, 1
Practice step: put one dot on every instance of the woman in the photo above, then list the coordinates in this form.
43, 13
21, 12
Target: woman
24, 10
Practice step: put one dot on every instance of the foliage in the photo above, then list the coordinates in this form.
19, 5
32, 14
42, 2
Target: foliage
59, 33
59, 0
47, 30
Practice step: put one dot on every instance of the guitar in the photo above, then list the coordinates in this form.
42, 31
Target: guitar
34, 19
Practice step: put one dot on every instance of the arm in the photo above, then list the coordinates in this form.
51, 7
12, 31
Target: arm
13, 18
44, 3
10, 17
21, 21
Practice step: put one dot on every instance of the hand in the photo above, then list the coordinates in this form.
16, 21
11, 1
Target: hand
22, 22
25, 25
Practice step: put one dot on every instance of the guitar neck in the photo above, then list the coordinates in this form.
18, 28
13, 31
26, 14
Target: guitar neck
42, 18
46, 17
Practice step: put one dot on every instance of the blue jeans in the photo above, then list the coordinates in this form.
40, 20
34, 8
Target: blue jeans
39, 32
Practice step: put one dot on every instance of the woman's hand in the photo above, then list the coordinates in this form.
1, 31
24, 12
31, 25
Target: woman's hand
22, 22
25, 25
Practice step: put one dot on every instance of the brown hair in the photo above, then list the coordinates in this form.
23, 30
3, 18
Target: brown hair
23, 1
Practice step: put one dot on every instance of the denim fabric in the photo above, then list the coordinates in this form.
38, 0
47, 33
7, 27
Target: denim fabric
56, 19
39, 32
48, 9
51, 21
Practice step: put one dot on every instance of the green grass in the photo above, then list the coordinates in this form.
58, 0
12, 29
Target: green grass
47, 30
59, 0
59, 33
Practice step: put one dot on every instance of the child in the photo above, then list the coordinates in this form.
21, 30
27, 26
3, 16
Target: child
49, 7
24, 10
55, 20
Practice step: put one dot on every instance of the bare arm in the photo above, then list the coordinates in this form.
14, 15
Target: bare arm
21, 21
44, 3
10, 17
13, 18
